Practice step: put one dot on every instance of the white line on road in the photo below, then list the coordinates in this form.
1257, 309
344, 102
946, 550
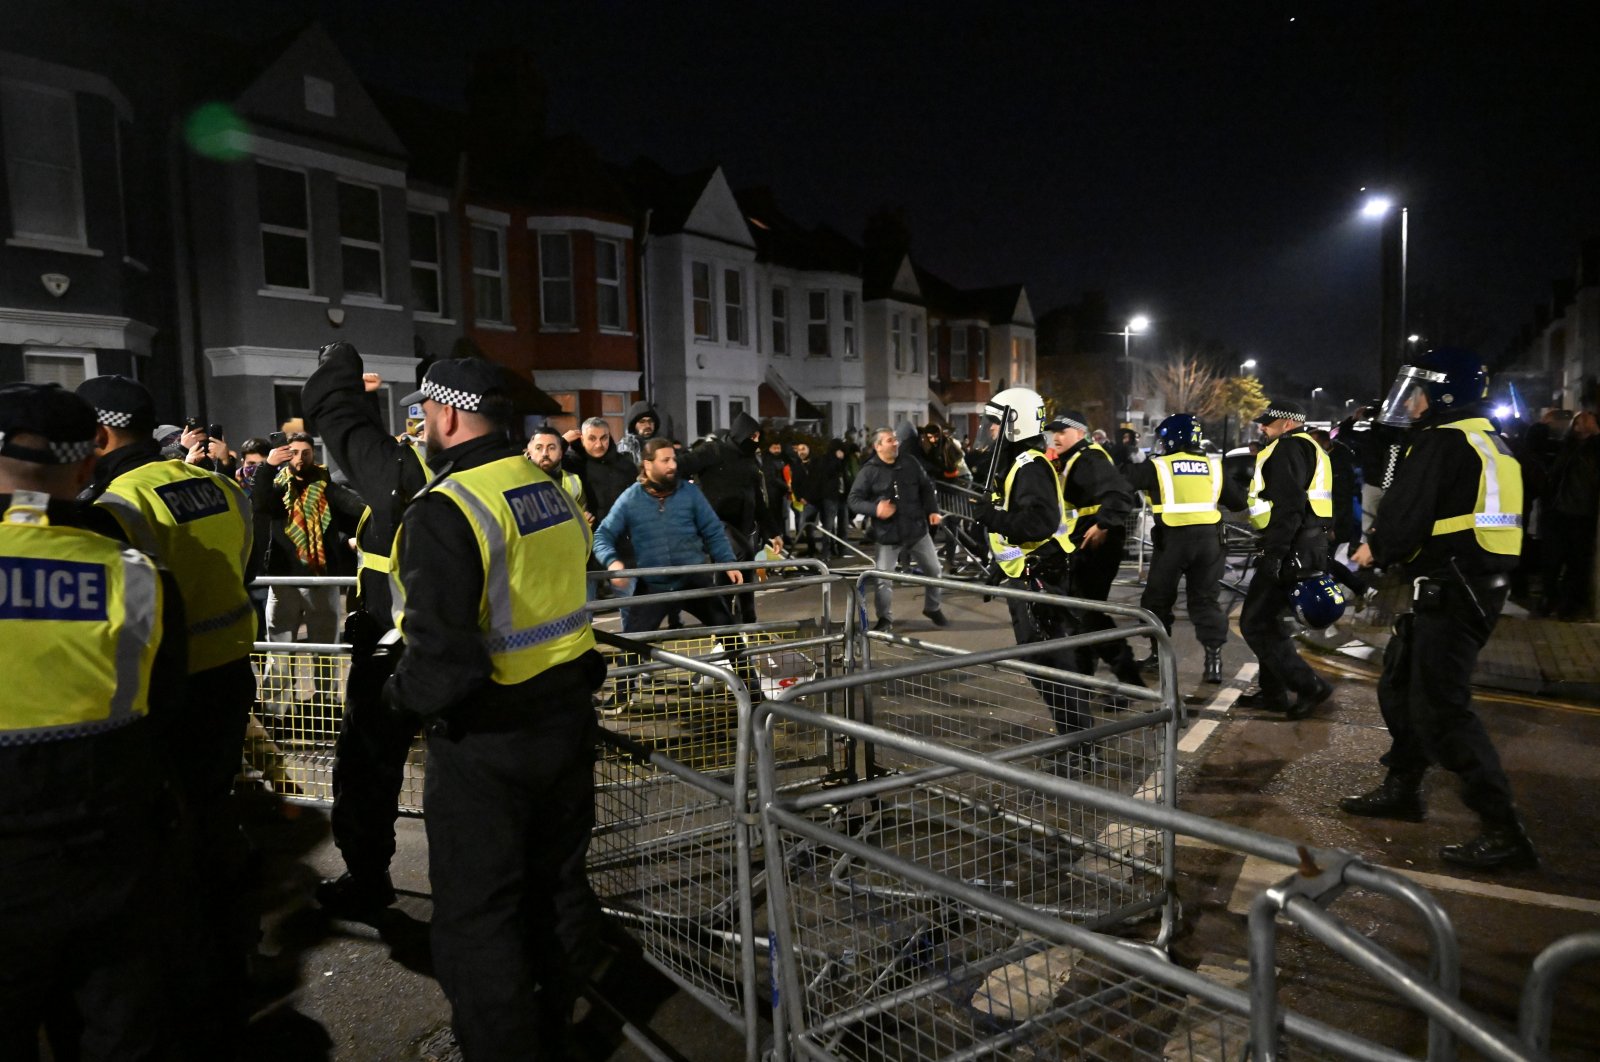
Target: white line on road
1196, 735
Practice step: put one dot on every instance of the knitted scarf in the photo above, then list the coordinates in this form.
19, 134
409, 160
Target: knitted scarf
309, 516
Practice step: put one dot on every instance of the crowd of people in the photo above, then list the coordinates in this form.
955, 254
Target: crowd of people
127, 550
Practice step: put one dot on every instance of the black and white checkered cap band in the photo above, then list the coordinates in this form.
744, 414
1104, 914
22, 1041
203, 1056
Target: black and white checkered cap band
451, 397
64, 453
1284, 414
1069, 422
112, 418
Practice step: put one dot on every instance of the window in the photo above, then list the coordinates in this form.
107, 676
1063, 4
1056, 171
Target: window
608, 284
850, 350
427, 279
780, 320
68, 370
43, 169
980, 352
489, 274
361, 239
613, 404
285, 228
286, 403
896, 347
567, 419
958, 352
916, 343
817, 329
555, 280
852, 415
703, 300
733, 305
736, 406
1017, 375
705, 416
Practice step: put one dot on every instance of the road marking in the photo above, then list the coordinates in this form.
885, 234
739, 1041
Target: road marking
1196, 735
1258, 874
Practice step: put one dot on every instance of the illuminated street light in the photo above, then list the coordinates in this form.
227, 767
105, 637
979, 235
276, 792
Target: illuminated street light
1137, 323
1392, 326
1247, 365
1376, 206
1413, 339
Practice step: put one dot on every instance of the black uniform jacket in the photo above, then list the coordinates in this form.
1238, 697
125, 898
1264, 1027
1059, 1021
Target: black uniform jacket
382, 470
1438, 479
1285, 478
77, 782
445, 670
1096, 481
1031, 513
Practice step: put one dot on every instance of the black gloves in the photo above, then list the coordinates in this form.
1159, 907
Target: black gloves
1284, 569
989, 516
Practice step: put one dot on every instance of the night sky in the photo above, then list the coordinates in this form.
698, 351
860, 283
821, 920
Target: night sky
1198, 162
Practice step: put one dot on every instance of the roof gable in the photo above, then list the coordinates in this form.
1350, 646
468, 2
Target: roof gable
905, 280
716, 214
282, 97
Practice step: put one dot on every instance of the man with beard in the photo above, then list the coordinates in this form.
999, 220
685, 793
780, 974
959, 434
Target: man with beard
546, 448
639, 426
500, 666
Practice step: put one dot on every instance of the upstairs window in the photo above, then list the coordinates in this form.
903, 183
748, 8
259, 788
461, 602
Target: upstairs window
489, 274
958, 352
733, 305
897, 350
980, 353
608, 285
817, 327
43, 168
361, 239
780, 320
427, 281
851, 351
555, 280
915, 343
285, 228
702, 301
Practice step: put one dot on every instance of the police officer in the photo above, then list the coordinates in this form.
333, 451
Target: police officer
1291, 506
1098, 501
1028, 539
1186, 486
373, 743
500, 665
89, 669
1453, 520
197, 524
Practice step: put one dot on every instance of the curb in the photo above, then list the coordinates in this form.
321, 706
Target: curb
1561, 689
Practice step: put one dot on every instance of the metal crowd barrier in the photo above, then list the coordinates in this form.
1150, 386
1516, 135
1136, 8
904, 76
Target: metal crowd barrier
967, 552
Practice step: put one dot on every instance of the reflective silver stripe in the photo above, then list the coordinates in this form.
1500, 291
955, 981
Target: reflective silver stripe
1009, 553
138, 623
544, 632
1164, 481
1491, 472
131, 517
496, 587
1497, 520
1320, 495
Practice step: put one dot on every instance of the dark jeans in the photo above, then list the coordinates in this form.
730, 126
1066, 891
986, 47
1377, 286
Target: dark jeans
515, 924
1425, 695
1193, 554
369, 767
1266, 603
1568, 564
1093, 572
836, 518
647, 615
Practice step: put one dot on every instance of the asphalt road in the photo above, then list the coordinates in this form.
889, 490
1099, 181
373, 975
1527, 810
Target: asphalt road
338, 990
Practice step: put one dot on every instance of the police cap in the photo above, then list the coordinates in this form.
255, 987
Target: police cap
461, 382
1063, 419
120, 402
63, 420
1283, 410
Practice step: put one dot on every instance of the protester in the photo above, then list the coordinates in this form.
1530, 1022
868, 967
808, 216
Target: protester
896, 496
640, 425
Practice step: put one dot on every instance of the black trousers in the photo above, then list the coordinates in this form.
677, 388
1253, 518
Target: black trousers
1031, 622
515, 923
1093, 572
1193, 554
369, 767
1425, 695
1266, 603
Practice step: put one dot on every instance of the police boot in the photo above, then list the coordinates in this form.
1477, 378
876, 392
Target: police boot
1399, 797
1213, 673
1501, 844
356, 897
1126, 668
1307, 701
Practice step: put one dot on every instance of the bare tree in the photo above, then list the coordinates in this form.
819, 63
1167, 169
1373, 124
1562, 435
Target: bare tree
1186, 383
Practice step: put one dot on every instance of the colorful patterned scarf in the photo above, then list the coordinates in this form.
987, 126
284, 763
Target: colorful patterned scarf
309, 516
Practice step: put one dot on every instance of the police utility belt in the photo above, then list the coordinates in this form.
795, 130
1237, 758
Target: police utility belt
1432, 593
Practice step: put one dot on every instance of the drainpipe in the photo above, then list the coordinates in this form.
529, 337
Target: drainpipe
186, 278
648, 369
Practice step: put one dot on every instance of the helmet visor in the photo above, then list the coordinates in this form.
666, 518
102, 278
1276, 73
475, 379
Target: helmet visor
1408, 398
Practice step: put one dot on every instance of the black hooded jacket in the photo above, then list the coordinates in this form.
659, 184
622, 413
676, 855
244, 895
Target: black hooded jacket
729, 473
632, 443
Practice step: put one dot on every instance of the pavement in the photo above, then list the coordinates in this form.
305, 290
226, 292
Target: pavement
1525, 654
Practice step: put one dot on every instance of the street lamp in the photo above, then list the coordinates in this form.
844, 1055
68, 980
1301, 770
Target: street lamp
1314, 391
1396, 223
1136, 323
1247, 365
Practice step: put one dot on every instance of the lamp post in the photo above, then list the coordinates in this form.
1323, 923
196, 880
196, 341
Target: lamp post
1396, 225
1136, 323
1313, 402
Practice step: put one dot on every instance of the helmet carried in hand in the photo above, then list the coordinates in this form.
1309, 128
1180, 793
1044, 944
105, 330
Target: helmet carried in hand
1318, 601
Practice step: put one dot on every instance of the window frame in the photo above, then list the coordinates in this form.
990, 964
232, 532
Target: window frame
914, 341
546, 279
702, 403
852, 350
619, 283
735, 321
896, 345
980, 354
959, 368
81, 240
87, 358
780, 320
381, 295
813, 323
436, 266
263, 228
499, 275
709, 301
